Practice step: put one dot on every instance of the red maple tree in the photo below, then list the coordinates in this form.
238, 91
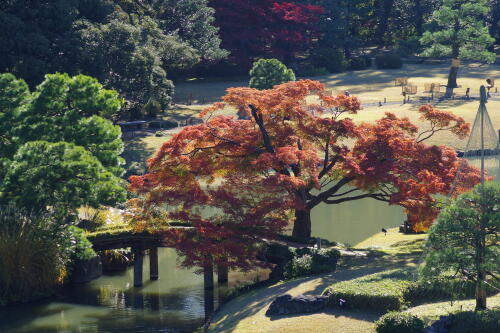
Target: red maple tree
290, 155
265, 28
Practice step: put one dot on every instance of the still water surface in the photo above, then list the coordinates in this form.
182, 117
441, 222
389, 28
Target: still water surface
175, 303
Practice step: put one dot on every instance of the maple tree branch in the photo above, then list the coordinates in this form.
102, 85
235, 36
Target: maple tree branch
362, 196
332, 190
432, 132
328, 167
263, 130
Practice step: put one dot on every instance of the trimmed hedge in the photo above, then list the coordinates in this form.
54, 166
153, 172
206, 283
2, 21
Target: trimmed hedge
397, 322
383, 291
487, 321
395, 289
388, 61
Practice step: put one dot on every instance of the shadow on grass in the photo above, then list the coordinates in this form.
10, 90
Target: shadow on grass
136, 151
227, 319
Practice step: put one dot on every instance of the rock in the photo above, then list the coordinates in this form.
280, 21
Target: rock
440, 326
286, 304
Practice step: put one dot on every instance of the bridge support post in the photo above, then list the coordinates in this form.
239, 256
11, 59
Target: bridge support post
222, 274
153, 264
208, 282
138, 263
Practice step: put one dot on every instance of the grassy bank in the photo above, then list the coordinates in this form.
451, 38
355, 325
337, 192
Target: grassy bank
246, 313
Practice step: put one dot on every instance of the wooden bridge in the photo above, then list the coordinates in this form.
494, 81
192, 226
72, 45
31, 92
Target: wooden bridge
139, 243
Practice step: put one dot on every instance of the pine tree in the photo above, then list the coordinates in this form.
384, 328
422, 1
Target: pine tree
459, 32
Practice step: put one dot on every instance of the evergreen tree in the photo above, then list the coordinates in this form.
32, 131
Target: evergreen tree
266, 73
459, 32
464, 240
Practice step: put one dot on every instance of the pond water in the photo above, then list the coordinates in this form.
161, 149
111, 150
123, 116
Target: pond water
175, 303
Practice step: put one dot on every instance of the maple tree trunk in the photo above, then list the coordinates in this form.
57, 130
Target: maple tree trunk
302, 225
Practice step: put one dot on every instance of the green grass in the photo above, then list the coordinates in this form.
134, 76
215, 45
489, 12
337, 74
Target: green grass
382, 291
397, 257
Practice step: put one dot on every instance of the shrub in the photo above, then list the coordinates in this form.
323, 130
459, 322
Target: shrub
359, 63
487, 321
380, 291
90, 218
82, 248
162, 124
266, 73
307, 261
397, 322
331, 59
310, 70
442, 288
151, 109
34, 253
388, 61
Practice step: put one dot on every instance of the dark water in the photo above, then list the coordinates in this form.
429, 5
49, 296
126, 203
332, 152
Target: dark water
175, 303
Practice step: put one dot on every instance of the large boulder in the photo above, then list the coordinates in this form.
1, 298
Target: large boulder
286, 304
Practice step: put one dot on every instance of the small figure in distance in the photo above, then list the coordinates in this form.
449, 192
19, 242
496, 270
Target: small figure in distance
384, 230
467, 93
488, 86
347, 93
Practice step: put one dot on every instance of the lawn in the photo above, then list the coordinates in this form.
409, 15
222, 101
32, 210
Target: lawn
371, 86
246, 313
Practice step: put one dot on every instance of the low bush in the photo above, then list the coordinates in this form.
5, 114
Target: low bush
82, 247
307, 261
331, 59
308, 70
388, 61
359, 63
398, 322
162, 124
383, 291
443, 288
487, 321
151, 109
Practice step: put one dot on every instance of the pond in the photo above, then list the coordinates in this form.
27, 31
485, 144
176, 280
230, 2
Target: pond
175, 303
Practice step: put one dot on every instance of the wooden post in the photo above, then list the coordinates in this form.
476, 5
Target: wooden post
153, 264
138, 263
208, 282
222, 274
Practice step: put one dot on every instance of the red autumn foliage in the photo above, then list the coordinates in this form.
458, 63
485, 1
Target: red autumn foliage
264, 28
293, 155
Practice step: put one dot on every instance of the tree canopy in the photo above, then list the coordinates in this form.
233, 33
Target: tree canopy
58, 143
129, 46
308, 152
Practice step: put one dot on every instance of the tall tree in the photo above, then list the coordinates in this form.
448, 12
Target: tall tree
345, 24
464, 240
128, 45
264, 28
80, 153
459, 32
288, 145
